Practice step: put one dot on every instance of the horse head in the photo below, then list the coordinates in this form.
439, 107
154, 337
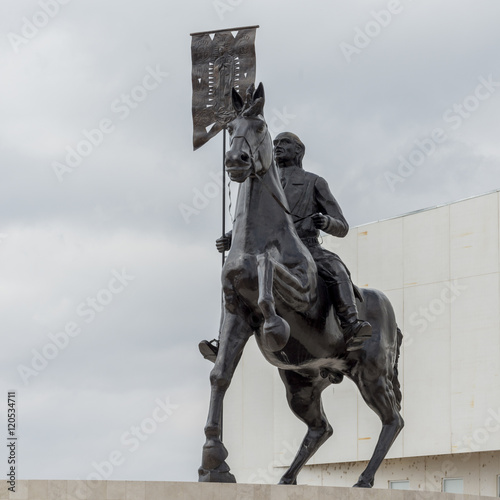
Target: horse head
251, 148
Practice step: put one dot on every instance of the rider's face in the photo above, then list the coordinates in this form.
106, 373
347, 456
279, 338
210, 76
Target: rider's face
284, 149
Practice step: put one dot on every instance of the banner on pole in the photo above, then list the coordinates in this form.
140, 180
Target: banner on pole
221, 60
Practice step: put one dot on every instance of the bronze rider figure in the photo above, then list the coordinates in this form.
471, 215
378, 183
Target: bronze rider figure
308, 193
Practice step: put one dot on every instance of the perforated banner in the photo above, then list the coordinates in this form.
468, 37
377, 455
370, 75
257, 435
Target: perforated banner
221, 60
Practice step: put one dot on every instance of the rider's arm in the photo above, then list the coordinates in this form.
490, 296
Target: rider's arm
336, 223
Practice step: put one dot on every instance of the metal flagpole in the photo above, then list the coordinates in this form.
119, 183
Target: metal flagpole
224, 252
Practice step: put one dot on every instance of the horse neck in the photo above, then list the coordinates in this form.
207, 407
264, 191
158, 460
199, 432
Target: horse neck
259, 217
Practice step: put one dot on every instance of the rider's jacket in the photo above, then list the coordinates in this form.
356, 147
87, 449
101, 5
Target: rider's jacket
307, 194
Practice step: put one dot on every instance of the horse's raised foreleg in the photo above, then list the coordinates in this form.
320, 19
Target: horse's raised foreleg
234, 335
304, 398
379, 396
275, 331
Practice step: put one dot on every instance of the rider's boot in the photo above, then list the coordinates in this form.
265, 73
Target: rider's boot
209, 350
355, 331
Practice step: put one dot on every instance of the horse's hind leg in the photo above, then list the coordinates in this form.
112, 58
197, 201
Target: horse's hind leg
234, 335
379, 396
304, 398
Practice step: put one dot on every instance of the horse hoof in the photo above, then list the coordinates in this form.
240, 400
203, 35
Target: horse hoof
288, 481
220, 475
214, 454
276, 333
363, 484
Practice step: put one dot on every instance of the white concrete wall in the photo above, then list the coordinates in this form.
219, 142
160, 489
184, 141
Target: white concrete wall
440, 268
479, 472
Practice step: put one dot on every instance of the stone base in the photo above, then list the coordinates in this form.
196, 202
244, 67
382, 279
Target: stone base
159, 490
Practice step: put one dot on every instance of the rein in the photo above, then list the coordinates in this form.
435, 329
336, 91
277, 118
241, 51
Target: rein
278, 201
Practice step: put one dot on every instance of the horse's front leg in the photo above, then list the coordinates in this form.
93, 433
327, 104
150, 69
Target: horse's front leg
234, 335
275, 331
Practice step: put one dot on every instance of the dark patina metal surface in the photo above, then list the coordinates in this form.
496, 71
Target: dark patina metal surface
221, 60
272, 290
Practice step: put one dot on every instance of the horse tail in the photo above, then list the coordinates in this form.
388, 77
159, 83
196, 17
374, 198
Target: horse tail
395, 380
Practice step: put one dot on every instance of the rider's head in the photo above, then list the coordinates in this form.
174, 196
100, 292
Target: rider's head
288, 149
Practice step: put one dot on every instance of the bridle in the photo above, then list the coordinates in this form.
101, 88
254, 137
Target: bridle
251, 155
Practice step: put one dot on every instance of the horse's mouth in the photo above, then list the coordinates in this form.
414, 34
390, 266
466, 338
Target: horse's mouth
238, 174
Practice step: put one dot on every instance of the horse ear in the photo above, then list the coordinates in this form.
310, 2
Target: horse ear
258, 100
237, 101
257, 108
259, 93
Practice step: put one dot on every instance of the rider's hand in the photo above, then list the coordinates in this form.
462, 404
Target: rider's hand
223, 244
320, 221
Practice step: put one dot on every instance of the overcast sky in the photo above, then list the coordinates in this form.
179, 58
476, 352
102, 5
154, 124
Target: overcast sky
397, 103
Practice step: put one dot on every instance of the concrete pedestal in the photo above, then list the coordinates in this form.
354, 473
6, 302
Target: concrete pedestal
156, 490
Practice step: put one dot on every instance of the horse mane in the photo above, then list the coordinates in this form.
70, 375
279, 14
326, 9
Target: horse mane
254, 101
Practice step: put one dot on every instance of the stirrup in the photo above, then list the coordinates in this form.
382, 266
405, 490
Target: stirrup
208, 349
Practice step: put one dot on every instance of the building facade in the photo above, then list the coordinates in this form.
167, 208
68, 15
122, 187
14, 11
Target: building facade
441, 270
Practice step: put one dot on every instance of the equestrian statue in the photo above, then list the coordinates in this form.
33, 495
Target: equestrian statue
297, 299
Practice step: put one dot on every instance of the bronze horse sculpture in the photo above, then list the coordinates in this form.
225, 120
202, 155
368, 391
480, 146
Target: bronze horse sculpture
271, 290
